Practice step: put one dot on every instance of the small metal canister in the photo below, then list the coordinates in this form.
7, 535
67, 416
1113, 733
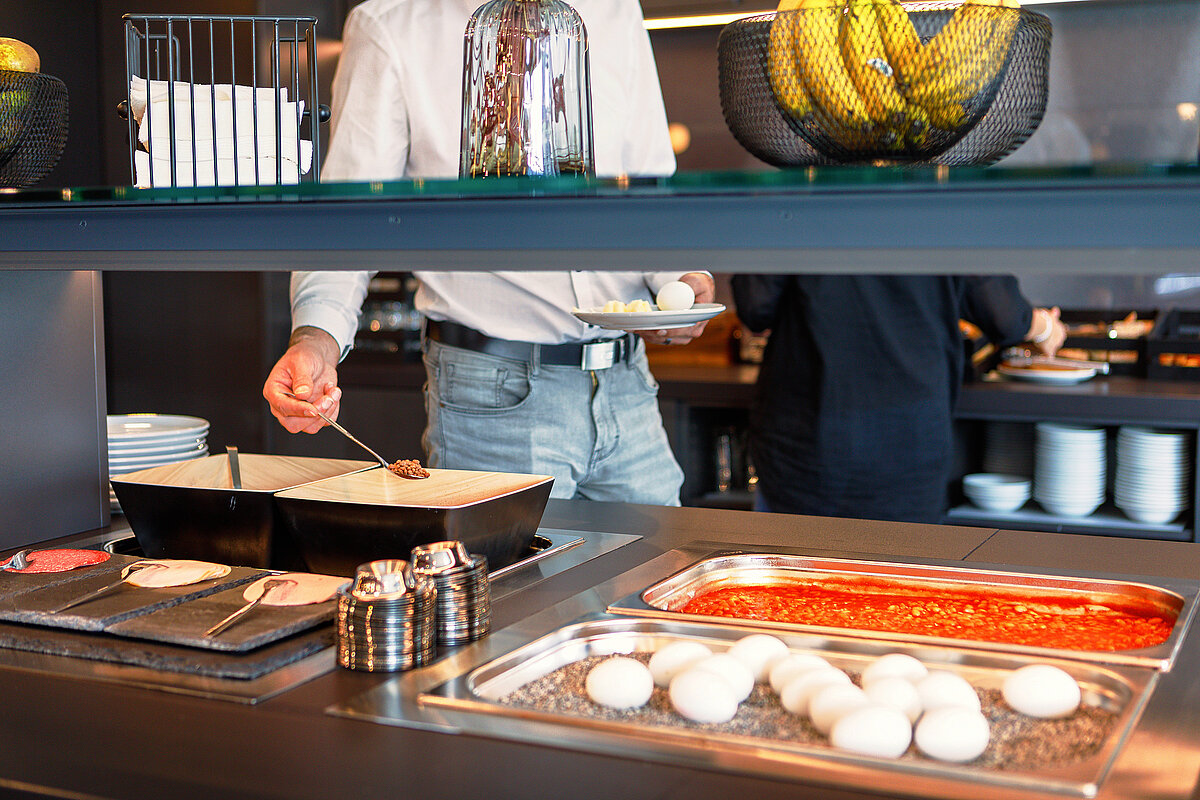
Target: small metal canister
386, 618
464, 607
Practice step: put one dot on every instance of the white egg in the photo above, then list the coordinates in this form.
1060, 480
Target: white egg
873, 730
791, 666
952, 733
674, 658
739, 676
759, 652
897, 693
1042, 690
702, 696
675, 296
619, 683
894, 665
941, 688
799, 691
834, 702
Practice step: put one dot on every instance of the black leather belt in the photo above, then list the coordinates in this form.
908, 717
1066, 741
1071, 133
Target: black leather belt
598, 354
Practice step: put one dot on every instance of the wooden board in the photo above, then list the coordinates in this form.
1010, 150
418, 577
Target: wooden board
444, 488
264, 473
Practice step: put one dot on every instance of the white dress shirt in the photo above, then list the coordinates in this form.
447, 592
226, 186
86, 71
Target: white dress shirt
397, 114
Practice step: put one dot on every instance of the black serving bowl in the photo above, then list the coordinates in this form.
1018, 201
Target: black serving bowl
339, 523
191, 510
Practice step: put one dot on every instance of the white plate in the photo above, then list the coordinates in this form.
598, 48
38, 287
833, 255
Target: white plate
153, 427
648, 320
121, 469
1060, 377
130, 450
159, 458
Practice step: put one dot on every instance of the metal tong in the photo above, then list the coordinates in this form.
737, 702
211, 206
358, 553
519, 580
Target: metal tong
103, 590
1024, 359
226, 623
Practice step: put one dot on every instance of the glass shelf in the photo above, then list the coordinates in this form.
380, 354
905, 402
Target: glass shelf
1119, 219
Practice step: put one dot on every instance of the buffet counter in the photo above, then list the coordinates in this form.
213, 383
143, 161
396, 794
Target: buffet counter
75, 736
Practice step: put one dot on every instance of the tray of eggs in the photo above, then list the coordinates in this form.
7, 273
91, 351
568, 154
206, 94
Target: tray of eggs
836, 708
1103, 620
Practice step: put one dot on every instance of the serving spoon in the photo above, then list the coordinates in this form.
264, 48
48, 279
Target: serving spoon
103, 590
267, 587
386, 464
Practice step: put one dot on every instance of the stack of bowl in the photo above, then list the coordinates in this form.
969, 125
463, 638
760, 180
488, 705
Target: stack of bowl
1071, 468
386, 618
464, 599
1153, 474
994, 491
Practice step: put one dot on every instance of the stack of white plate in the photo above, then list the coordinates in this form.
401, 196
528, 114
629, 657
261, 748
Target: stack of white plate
1008, 448
1154, 473
141, 441
1071, 468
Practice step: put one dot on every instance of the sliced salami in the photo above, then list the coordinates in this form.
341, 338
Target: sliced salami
62, 560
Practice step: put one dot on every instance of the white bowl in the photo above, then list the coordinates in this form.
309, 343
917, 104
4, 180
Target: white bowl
996, 492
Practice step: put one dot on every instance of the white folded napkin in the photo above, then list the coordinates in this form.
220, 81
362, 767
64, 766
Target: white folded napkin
227, 172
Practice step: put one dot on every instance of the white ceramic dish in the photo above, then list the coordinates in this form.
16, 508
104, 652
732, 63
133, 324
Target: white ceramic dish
648, 320
1060, 377
156, 428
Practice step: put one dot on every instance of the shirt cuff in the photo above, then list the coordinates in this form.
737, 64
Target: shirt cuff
329, 319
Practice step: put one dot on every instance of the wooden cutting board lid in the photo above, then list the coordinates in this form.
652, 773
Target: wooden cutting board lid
444, 488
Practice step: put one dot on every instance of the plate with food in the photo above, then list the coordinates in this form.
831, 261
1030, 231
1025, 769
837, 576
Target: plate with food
1057, 374
650, 318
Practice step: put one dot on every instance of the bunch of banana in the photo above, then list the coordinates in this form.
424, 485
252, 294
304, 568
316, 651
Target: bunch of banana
859, 71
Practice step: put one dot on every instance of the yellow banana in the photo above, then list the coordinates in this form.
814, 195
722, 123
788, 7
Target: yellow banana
836, 101
871, 71
786, 83
966, 55
900, 39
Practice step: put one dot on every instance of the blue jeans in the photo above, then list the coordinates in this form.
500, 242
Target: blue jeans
600, 440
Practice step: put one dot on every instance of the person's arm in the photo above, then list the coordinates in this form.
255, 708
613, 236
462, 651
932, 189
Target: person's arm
308, 371
757, 298
996, 305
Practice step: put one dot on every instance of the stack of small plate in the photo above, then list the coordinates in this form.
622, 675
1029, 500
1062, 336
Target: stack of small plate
1008, 448
1071, 468
141, 441
385, 618
1153, 474
464, 597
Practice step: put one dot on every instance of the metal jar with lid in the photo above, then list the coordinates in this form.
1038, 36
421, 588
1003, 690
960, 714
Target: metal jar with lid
527, 104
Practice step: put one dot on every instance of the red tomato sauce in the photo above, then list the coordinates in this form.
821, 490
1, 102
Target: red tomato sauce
1063, 623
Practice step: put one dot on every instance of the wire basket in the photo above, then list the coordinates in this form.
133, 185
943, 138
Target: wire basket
222, 100
33, 126
921, 118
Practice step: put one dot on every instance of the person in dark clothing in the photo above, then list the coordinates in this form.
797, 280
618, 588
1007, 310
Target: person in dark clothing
853, 413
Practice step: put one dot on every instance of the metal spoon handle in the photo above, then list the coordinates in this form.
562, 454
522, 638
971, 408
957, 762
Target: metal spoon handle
103, 590
235, 616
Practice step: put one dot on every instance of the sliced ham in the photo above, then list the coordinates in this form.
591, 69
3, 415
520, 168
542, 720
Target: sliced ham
306, 589
171, 572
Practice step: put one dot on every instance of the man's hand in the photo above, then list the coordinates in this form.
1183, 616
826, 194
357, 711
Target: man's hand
308, 370
706, 291
1046, 332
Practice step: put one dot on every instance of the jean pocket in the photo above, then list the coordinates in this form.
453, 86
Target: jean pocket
482, 385
641, 368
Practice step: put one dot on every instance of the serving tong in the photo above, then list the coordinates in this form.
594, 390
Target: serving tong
1022, 358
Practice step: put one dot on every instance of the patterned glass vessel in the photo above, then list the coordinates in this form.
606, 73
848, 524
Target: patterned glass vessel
527, 104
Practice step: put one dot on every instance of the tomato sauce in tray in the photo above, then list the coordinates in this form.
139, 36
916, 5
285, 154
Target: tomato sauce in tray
1039, 621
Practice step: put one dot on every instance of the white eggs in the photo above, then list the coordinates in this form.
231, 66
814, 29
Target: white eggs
894, 665
619, 683
897, 693
940, 689
873, 730
798, 693
672, 659
789, 667
737, 674
1042, 690
952, 733
759, 652
675, 296
834, 702
702, 696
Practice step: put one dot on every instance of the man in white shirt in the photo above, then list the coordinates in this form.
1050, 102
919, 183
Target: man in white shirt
515, 382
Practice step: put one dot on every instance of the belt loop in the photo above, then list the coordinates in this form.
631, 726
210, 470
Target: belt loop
535, 360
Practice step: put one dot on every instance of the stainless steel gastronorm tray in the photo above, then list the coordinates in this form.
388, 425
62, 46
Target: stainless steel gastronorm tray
478, 692
663, 598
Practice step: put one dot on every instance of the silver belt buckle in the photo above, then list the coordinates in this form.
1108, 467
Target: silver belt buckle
598, 355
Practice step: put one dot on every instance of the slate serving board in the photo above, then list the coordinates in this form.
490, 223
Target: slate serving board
34, 606
185, 623
14, 583
165, 657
